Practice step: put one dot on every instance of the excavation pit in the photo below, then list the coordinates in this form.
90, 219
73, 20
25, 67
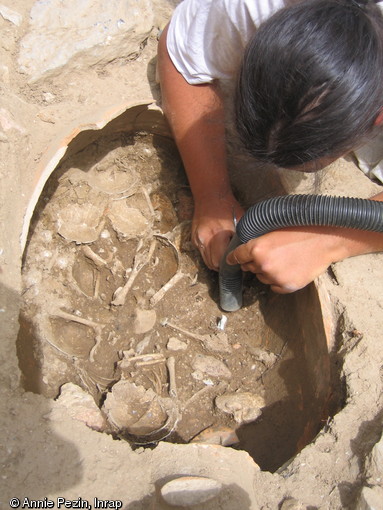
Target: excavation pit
117, 302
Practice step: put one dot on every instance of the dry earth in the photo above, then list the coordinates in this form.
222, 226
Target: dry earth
71, 275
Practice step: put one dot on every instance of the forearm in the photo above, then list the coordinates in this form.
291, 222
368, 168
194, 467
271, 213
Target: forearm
196, 117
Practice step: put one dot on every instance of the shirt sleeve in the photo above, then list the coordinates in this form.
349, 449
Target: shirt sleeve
206, 38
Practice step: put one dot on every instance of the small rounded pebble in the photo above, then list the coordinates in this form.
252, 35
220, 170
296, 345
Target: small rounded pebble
190, 490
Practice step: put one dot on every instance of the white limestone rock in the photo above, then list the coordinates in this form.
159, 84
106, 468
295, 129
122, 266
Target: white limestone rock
371, 499
211, 366
11, 15
82, 33
81, 406
174, 344
244, 406
375, 464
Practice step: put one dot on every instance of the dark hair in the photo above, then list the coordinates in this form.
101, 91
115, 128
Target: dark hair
311, 81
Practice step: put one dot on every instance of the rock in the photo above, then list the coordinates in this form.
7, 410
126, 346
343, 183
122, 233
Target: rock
223, 436
217, 342
375, 463
144, 321
210, 366
174, 344
81, 406
244, 406
10, 15
266, 357
190, 490
292, 504
7, 122
371, 498
94, 32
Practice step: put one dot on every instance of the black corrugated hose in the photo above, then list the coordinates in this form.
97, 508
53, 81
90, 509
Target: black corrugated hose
293, 211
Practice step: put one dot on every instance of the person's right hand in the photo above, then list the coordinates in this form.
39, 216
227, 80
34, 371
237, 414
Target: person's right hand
213, 227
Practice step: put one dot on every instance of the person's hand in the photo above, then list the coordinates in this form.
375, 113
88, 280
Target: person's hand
291, 258
213, 227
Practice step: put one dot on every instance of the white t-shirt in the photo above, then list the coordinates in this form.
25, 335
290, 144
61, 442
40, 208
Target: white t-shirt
206, 38
206, 41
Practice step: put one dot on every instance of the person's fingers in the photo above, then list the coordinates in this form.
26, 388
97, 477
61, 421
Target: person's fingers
218, 247
232, 258
213, 251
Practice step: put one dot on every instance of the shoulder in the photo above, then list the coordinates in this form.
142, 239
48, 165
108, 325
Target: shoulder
206, 38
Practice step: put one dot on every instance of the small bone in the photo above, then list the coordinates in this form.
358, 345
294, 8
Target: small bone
97, 285
80, 320
217, 342
98, 340
201, 338
166, 238
171, 365
149, 202
154, 300
147, 363
89, 253
140, 261
145, 357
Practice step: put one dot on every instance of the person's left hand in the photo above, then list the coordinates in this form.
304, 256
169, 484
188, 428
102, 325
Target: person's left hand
291, 258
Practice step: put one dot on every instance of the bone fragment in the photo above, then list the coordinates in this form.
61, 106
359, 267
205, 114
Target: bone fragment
97, 285
90, 254
154, 300
149, 202
80, 320
171, 365
140, 261
201, 338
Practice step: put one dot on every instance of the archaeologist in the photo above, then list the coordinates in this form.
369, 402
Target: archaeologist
309, 90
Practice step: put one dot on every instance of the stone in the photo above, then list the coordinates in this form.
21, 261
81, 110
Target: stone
81, 406
371, 498
10, 15
190, 490
210, 366
82, 35
144, 321
7, 122
244, 406
292, 504
375, 463
174, 344
217, 343
266, 357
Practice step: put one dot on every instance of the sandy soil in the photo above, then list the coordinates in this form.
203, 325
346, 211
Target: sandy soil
69, 330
